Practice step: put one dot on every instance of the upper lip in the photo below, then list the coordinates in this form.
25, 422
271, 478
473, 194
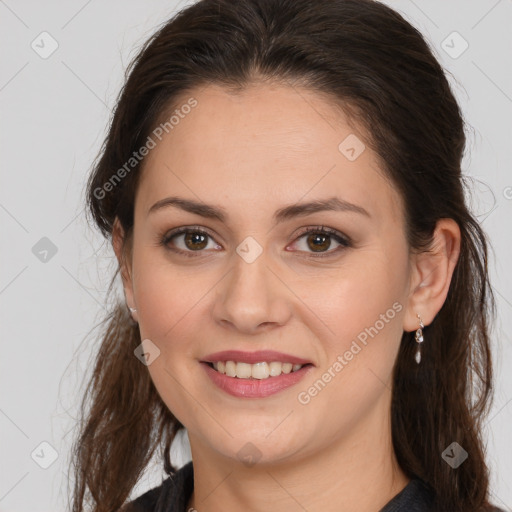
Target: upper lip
254, 357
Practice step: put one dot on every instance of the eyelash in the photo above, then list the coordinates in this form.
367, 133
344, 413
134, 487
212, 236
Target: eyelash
343, 240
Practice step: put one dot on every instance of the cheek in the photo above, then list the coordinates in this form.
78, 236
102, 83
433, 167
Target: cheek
170, 302
166, 294
356, 297
363, 309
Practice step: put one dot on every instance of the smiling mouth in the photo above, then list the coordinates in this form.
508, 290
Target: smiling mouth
260, 371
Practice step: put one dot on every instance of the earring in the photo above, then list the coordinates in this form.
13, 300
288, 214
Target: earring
132, 311
419, 339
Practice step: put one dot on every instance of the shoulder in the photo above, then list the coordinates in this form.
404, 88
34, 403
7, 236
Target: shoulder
172, 494
146, 502
416, 495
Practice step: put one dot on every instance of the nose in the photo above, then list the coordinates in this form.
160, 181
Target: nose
252, 298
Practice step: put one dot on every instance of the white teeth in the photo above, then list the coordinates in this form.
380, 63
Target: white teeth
259, 371
243, 370
275, 368
230, 369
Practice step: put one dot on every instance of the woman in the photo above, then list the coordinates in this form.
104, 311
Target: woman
305, 290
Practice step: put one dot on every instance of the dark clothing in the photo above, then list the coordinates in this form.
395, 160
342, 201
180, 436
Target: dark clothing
171, 496
174, 493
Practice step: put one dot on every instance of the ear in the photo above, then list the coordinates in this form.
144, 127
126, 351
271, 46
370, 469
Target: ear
432, 274
123, 256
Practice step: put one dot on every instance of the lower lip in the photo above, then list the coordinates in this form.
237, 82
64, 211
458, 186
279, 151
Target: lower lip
255, 388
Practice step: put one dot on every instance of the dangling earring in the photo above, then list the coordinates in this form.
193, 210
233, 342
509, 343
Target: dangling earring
132, 312
419, 339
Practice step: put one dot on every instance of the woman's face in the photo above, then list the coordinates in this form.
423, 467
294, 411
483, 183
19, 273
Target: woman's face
257, 282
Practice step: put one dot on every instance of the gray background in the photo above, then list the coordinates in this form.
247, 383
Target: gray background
54, 112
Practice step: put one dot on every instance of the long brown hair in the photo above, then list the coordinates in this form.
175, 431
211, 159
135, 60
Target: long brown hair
367, 59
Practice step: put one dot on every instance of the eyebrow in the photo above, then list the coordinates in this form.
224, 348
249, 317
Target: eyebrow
286, 213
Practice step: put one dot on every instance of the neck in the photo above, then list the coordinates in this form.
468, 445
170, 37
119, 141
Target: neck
357, 473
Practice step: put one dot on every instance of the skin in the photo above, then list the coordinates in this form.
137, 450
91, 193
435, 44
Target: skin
251, 154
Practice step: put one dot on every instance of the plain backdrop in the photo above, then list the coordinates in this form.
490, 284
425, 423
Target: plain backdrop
62, 67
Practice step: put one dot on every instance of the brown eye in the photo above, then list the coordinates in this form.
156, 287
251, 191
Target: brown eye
195, 241
317, 241
188, 240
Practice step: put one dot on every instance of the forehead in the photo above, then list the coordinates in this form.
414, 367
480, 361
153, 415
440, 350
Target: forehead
265, 145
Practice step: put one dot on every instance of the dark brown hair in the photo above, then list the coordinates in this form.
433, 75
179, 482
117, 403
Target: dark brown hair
367, 59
